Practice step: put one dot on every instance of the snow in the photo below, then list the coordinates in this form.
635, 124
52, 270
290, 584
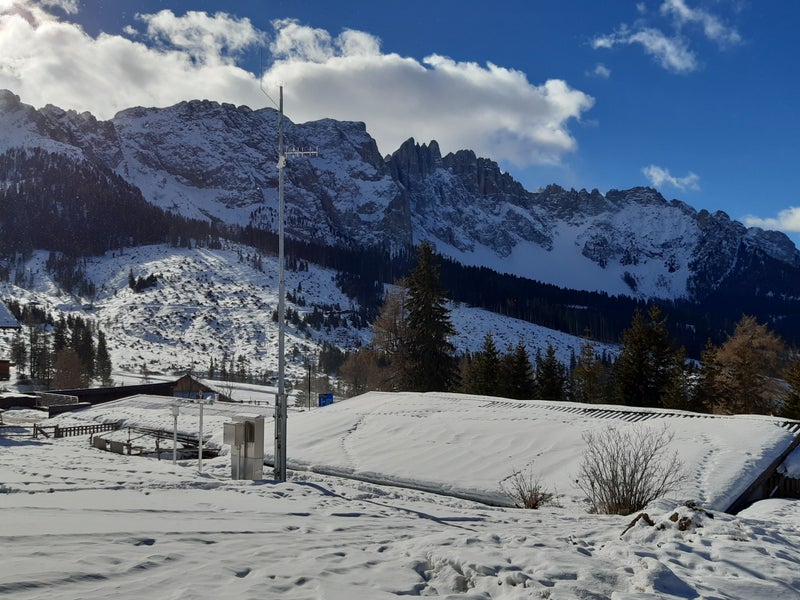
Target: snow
647, 230
791, 465
78, 522
7, 320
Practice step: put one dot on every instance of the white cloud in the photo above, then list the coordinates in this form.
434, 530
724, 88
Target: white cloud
713, 28
45, 60
491, 109
659, 176
787, 220
671, 51
68, 6
208, 40
601, 71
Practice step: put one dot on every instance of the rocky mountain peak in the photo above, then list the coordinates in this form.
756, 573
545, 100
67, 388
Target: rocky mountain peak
215, 161
8, 100
413, 161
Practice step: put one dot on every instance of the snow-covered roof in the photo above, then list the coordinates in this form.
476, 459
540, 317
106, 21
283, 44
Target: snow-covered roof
7, 320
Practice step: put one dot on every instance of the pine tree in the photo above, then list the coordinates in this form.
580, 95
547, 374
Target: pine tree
60, 334
516, 374
428, 354
19, 352
41, 356
483, 373
646, 364
705, 396
102, 361
86, 351
589, 377
677, 392
551, 376
791, 401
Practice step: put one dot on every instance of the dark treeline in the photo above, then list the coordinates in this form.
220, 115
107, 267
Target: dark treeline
52, 202
63, 352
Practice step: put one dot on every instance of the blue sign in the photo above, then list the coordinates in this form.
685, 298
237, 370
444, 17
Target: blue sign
326, 399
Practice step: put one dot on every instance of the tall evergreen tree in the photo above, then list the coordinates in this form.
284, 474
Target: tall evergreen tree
791, 400
86, 351
677, 392
103, 360
429, 356
705, 395
646, 364
60, 337
19, 352
516, 374
589, 377
483, 373
551, 376
41, 355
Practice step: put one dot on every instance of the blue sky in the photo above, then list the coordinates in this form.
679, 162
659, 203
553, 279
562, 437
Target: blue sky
697, 98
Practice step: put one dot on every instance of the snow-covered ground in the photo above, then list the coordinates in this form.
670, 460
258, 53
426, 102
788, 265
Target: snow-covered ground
77, 522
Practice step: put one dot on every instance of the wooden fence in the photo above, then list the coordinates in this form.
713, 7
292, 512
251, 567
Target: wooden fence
56, 431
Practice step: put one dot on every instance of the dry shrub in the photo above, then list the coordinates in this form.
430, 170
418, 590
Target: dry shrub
624, 469
526, 490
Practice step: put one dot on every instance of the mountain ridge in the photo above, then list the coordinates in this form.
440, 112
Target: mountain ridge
217, 162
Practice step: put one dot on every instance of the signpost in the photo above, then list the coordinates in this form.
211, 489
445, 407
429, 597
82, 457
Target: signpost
326, 399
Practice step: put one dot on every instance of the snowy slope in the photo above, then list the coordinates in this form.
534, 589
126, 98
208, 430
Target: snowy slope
216, 303
83, 523
465, 444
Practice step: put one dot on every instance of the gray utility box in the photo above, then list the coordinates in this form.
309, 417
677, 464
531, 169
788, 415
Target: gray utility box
245, 435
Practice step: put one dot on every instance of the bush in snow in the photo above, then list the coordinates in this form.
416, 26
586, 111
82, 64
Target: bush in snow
625, 469
526, 490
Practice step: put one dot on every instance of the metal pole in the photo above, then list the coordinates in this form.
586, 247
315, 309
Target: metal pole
280, 401
175, 438
200, 449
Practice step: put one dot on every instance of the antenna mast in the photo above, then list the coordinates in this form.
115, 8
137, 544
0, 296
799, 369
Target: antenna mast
281, 409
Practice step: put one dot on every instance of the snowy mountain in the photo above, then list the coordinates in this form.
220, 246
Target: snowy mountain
217, 162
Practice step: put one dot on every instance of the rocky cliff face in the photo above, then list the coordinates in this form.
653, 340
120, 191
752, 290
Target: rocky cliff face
216, 161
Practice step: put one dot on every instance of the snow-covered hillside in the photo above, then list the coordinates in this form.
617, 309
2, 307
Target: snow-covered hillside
83, 523
215, 303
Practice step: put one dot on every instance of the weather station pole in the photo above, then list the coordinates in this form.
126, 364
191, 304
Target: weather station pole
281, 408
280, 400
